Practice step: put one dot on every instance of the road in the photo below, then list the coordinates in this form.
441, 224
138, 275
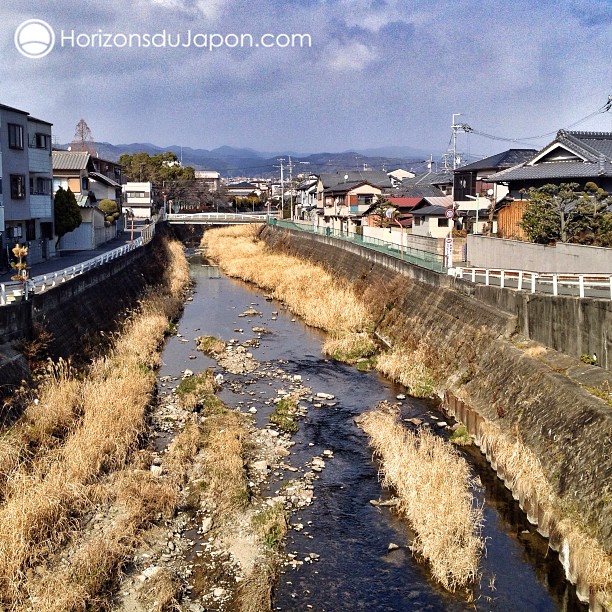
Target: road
73, 258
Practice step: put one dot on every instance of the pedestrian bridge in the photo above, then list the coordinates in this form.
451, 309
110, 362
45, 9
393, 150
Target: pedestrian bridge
212, 218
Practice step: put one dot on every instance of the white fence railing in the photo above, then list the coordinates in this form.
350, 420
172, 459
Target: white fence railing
212, 217
17, 291
580, 285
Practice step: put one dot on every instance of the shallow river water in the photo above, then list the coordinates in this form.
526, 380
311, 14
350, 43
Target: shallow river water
355, 570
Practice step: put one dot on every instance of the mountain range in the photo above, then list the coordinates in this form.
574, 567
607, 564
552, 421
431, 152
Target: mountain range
245, 162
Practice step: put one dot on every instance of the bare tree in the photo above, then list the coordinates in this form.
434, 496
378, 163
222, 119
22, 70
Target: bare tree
83, 140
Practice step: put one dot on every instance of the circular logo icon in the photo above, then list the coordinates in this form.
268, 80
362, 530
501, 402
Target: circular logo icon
34, 38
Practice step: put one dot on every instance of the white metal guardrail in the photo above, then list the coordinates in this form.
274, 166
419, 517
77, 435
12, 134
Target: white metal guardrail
581, 285
211, 217
17, 291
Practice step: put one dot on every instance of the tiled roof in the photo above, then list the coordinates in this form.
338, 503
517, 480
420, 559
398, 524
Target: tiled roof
356, 177
430, 211
594, 147
96, 176
417, 191
552, 170
70, 160
507, 159
441, 177
446, 201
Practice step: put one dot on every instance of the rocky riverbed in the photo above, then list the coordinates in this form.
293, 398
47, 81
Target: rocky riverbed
202, 557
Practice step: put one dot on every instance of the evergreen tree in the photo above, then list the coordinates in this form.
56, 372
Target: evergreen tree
67, 212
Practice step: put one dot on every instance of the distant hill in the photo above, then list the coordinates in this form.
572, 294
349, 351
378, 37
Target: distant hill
231, 161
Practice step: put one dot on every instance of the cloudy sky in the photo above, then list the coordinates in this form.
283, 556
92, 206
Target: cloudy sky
376, 72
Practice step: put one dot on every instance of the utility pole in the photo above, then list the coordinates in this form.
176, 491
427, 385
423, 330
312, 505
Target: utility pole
290, 166
455, 127
282, 183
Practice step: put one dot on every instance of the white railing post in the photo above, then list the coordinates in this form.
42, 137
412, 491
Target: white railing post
3, 292
533, 282
502, 279
554, 284
487, 281
581, 285
611, 287
473, 275
520, 280
460, 273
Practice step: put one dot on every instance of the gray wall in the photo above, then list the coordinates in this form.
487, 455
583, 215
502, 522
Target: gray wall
486, 252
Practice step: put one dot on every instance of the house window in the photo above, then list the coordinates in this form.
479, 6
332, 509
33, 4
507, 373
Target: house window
18, 186
84, 184
42, 141
443, 222
15, 136
137, 194
417, 221
40, 185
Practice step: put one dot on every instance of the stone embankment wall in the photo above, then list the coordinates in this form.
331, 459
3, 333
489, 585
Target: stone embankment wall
75, 312
531, 394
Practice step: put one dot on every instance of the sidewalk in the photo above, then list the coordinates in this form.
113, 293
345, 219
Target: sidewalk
73, 258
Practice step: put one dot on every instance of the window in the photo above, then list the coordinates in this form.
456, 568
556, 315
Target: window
18, 186
40, 185
443, 222
15, 133
42, 141
417, 221
137, 194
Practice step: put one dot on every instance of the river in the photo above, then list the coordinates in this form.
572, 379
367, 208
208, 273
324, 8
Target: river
355, 570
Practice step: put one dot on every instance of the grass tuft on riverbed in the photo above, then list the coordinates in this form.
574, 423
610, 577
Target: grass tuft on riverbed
434, 486
284, 415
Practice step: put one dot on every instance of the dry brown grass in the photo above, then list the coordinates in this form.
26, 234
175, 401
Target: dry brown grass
409, 369
434, 486
349, 346
255, 591
321, 299
84, 430
525, 477
225, 440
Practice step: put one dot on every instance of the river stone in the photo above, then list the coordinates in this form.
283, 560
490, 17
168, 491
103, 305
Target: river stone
325, 396
207, 524
260, 466
187, 373
392, 546
156, 470
442, 424
401, 396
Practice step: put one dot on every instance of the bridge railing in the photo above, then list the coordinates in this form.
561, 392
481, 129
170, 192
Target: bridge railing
417, 257
17, 291
596, 285
211, 217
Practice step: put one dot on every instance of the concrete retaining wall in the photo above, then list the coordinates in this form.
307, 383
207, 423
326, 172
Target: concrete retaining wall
486, 252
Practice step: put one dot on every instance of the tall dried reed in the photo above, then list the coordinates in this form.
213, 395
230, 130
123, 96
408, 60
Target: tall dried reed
409, 369
100, 423
434, 486
321, 299
525, 477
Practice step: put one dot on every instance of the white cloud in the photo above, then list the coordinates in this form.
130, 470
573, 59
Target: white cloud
354, 57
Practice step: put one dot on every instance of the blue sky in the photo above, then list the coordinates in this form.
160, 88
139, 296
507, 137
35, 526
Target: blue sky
377, 72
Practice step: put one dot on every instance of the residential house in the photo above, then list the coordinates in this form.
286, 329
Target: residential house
306, 198
430, 217
572, 157
211, 178
441, 179
90, 179
472, 189
138, 198
399, 175
343, 198
26, 204
242, 190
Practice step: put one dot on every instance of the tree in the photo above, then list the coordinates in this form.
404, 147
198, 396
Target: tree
110, 210
561, 212
83, 140
550, 212
67, 212
381, 210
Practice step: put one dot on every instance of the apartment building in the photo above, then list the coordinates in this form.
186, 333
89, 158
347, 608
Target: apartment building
26, 201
